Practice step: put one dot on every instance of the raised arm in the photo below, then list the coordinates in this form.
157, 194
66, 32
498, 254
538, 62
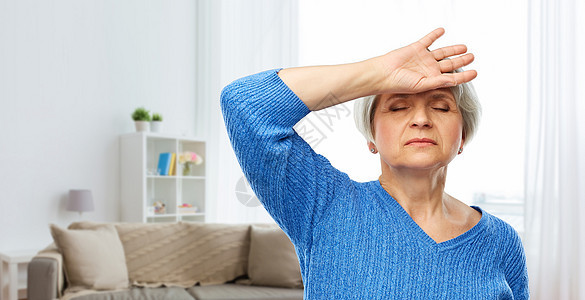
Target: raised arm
294, 183
408, 70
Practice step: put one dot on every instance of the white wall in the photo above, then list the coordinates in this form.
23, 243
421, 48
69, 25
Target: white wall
71, 73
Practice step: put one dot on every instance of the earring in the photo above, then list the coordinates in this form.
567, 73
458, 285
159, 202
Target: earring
373, 150
460, 150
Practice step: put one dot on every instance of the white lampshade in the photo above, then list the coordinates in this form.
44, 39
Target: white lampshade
80, 200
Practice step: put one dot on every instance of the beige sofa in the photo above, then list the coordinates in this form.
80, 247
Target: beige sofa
94, 261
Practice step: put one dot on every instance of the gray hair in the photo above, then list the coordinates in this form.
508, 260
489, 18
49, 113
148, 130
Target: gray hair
465, 97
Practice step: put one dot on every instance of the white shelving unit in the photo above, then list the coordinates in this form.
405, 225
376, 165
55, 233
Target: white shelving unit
141, 187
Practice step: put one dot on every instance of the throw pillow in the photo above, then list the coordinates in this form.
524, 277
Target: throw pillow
93, 258
272, 260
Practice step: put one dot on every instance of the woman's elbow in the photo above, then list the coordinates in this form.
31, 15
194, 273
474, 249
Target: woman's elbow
228, 94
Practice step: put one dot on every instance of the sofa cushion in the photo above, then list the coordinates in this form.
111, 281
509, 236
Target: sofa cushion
241, 292
171, 293
93, 258
272, 260
182, 254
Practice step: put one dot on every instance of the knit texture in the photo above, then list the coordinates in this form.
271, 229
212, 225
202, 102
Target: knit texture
353, 240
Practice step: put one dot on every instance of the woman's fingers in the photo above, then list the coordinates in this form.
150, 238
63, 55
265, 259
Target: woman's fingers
447, 59
449, 65
459, 78
465, 76
445, 52
447, 80
442, 55
430, 38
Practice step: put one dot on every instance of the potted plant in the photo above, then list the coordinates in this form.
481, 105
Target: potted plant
156, 123
141, 118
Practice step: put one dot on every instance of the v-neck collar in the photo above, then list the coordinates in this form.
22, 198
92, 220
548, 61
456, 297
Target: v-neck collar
417, 232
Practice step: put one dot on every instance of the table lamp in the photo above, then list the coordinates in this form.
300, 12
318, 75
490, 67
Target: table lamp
80, 201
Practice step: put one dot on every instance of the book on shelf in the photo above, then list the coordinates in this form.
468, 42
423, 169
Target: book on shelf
172, 168
164, 163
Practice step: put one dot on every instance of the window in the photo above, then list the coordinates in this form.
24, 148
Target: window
490, 172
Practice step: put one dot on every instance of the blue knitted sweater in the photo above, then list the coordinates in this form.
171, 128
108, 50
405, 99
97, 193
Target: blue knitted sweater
353, 240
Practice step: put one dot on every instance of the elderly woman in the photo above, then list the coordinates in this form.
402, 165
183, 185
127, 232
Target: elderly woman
400, 236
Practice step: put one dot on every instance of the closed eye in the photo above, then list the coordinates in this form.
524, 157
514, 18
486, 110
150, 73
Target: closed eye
441, 109
397, 108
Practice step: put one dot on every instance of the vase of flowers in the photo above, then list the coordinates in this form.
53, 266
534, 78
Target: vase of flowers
188, 159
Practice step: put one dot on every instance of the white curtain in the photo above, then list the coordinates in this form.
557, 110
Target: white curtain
555, 160
234, 39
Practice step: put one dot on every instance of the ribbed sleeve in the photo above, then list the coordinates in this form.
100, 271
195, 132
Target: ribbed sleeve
289, 178
515, 266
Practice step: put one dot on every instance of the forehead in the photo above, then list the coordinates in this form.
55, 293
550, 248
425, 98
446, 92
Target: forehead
442, 93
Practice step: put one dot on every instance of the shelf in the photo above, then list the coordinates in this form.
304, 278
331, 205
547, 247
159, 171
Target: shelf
160, 177
140, 188
192, 177
162, 216
165, 136
176, 215
191, 214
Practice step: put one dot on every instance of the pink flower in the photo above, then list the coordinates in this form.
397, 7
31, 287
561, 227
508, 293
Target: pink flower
190, 157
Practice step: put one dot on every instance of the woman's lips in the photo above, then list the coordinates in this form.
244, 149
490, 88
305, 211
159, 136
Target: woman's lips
421, 142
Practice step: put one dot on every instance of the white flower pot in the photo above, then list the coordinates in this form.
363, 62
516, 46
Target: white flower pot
142, 125
156, 126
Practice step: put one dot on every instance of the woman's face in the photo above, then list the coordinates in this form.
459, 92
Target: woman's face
418, 131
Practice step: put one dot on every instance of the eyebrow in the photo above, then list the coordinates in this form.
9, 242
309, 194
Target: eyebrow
435, 95
439, 95
398, 96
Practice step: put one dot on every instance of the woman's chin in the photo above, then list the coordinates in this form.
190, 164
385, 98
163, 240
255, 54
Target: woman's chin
421, 164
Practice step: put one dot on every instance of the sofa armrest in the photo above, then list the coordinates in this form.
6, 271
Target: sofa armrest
45, 279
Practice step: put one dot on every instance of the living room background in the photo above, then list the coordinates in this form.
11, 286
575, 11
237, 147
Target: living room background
71, 73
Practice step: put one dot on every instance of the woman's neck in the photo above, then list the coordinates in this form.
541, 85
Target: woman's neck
419, 192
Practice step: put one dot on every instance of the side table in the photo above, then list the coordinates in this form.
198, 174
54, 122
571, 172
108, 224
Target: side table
10, 260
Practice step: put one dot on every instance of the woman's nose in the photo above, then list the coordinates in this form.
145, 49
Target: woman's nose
421, 119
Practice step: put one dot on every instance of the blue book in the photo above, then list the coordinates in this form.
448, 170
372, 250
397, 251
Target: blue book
164, 163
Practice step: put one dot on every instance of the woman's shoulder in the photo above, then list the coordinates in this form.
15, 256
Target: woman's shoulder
498, 229
268, 74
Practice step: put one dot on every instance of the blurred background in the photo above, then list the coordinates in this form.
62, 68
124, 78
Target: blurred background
71, 73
